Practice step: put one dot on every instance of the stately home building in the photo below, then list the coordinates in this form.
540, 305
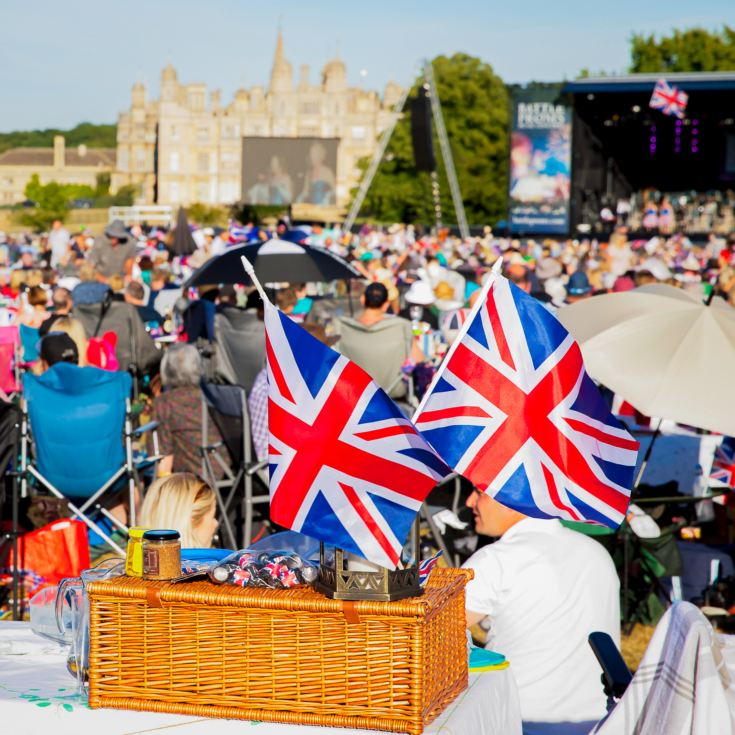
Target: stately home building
186, 147
77, 165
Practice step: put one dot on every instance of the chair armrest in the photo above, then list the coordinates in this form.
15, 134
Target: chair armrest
257, 467
211, 447
146, 427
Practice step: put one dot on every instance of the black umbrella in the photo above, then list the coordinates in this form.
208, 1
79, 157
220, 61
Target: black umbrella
183, 241
274, 261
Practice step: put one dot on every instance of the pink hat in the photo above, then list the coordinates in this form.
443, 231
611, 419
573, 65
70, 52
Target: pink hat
623, 283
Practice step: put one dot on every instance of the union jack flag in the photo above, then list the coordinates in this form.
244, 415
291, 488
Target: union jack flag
346, 466
239, 234
723, 466
514, 411
668, 99
427, 565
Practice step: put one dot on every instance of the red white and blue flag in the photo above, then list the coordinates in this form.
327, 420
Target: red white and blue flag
346, 466
669, 99
723, 466
514, 411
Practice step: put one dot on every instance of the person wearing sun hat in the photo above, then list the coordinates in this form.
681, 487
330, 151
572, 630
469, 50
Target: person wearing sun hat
113, 254
691, 270
421, 294
578, 287
445, 300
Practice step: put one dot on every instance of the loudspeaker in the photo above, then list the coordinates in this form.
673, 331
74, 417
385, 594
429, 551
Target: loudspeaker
421, 132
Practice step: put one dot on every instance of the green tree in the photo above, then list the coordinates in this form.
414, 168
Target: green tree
205, 215
475, 106
102, 187
53, 200
52, 203
94, 136
694, 49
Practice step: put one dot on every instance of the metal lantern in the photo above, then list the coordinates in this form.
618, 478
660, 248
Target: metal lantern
369, 582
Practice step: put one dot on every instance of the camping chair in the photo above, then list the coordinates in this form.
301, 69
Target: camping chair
325, 310
82, 433
135, 349
9, 359
226, 406
381, 351
240, 338
29, 337
10, 433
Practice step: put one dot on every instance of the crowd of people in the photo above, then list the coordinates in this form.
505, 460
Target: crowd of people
654, 212
397, 322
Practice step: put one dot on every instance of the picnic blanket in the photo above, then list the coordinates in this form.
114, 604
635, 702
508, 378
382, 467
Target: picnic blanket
684, 684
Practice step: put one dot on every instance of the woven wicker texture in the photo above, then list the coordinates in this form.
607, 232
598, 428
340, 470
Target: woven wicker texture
278, 655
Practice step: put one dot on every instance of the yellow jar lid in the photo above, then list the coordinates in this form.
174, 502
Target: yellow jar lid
137, 532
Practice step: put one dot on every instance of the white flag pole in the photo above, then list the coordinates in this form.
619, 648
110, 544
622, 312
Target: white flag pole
248, 266
494, 273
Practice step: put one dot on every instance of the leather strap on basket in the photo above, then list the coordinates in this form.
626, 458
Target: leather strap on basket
153, 597
349, 610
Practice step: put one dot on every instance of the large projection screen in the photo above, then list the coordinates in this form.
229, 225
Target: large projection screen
289, 170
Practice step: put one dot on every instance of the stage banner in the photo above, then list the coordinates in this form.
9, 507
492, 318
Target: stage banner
540, 163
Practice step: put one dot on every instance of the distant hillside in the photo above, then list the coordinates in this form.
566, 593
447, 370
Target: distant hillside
94, 136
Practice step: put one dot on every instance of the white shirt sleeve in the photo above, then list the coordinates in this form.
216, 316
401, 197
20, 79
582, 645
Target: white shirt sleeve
483, 592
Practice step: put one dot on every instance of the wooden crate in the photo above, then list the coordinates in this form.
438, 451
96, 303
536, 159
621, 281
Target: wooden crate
290, 656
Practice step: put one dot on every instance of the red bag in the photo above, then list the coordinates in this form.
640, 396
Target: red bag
57, 550
101, 352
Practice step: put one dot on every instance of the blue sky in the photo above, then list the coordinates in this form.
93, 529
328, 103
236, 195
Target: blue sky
65, 62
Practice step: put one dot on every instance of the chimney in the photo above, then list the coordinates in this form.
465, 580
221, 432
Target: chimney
82, 150
59, 156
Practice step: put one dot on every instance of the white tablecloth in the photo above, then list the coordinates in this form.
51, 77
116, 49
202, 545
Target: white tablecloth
37, 695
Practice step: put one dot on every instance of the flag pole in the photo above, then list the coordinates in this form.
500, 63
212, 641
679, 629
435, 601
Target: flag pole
494, 273
248, 266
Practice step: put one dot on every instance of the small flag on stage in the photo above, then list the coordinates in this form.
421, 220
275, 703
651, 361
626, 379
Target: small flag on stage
668, 99
513, 410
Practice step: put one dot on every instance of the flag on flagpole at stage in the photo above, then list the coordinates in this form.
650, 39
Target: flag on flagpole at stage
669, 99
513, 410
346, 466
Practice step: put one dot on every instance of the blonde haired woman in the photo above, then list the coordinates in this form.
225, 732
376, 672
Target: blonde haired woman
73, 327
185, 503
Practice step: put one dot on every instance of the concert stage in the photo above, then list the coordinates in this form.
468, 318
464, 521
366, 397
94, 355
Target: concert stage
620, 145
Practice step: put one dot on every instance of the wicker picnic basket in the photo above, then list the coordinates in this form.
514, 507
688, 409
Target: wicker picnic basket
291, 656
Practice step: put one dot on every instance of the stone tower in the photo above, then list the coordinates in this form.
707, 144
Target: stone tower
281, 73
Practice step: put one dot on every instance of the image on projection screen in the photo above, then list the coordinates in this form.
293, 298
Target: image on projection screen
289, 170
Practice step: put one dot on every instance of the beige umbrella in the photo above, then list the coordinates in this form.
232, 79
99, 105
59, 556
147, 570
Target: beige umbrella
663, 350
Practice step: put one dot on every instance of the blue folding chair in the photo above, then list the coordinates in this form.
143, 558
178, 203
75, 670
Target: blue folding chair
81, 427
29, 337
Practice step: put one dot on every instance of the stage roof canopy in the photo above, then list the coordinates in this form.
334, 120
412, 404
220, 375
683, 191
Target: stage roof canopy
695, 81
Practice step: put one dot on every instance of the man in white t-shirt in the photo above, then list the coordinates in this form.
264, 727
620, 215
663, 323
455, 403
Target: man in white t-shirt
543, 589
